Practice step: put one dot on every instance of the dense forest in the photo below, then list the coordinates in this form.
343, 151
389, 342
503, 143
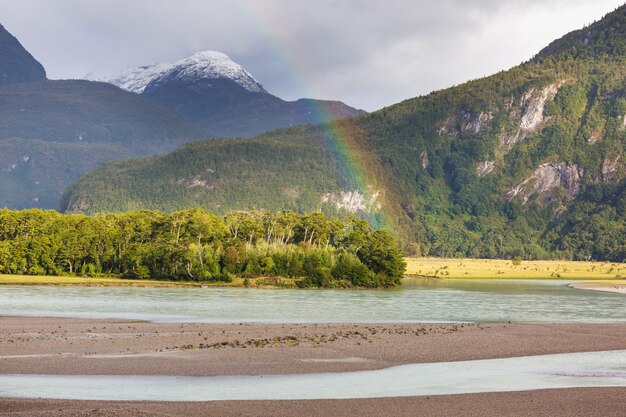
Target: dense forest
496, 167
194, 245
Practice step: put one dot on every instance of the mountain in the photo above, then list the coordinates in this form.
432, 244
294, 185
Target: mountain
78, 111
528, 162
222, 98
16, 64
35, 173
53, 132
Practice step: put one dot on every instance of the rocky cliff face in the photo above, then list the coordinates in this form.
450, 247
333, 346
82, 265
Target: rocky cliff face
530, 114
549, 183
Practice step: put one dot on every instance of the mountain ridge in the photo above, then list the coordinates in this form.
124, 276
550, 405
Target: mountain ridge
16, 63
222, 98
204, 64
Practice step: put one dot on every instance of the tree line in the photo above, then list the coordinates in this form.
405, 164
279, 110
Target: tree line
198, 246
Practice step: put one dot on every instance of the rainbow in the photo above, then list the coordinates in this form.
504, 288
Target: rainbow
340, 137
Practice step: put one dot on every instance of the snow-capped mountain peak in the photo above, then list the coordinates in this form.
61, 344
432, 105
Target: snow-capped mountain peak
201, 65
136, 79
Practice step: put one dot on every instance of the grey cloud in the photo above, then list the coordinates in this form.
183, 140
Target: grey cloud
368, 53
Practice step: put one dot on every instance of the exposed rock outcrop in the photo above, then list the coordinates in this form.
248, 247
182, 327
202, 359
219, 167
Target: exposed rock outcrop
425, 161
593, 138
474, 123
550, 181
352, 201
609, 170
485, 167
530, 112
448, 127
533, 103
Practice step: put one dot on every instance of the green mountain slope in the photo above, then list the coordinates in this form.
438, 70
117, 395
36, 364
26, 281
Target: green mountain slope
495, 167
35, 173
74, 111
53, 132
220, 175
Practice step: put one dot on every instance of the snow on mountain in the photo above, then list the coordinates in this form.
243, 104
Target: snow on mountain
202, 65
136, 79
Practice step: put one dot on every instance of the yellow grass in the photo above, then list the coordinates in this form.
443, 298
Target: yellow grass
120, 282
504, 269
52, 280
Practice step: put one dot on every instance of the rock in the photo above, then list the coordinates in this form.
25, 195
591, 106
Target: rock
485, 167
425, 161
592, 139
609, 169
474, 124
532, 105
530, 111
352, 201
548, 181
509, 141
447, 127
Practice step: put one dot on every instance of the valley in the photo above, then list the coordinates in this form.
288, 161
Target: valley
177, 240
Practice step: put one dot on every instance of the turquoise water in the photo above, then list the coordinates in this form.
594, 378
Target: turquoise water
590, 369
416, 301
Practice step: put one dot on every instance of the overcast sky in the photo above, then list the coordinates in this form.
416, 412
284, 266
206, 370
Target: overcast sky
367, 53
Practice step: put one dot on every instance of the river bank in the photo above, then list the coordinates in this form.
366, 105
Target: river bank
573, 402
433, 268
31, 345
610, 286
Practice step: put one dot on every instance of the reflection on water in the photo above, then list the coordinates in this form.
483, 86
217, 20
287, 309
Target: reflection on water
590, 369
417, 301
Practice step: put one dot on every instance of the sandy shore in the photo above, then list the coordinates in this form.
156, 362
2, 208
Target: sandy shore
618, 288
119, 347
589, 402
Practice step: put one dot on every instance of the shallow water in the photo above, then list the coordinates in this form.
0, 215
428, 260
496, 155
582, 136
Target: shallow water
570, 370
416, 301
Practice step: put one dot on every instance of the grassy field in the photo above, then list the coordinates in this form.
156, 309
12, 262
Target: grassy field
53, 280
120, 282
504, 269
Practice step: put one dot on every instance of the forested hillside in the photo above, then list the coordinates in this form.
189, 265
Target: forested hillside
508, 165
53, 132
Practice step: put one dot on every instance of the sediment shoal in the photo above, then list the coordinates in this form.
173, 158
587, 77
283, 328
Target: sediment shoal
576, 402
30, 345
617, 288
